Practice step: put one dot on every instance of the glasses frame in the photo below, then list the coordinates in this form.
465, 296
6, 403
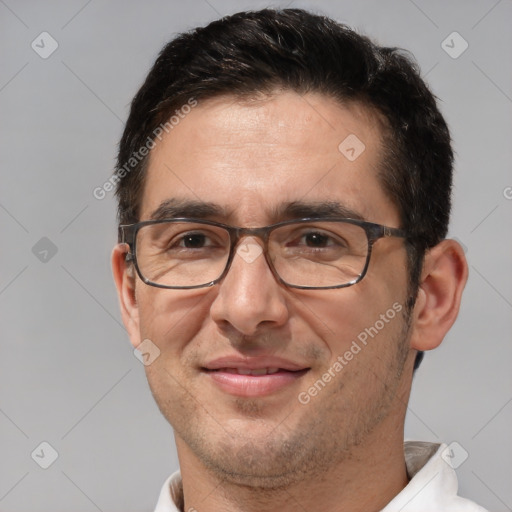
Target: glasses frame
374, 232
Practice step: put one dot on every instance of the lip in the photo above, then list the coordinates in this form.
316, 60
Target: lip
253, 363
220, 371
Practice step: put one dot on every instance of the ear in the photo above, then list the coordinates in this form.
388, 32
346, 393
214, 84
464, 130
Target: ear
444, 275
124, 278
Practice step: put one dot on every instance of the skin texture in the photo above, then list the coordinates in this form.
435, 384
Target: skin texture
343, 450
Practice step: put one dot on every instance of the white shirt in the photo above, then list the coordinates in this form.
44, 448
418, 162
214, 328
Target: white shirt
432, 487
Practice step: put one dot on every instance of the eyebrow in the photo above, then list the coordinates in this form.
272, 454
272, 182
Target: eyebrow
176, 208
302, 209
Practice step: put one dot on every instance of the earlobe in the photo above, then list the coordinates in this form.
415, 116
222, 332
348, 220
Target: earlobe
124, 278
443, 278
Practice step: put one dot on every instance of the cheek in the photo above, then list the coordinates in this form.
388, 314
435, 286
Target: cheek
339, 317
171, 318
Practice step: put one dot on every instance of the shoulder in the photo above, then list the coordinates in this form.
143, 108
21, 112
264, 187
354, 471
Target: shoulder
433, 482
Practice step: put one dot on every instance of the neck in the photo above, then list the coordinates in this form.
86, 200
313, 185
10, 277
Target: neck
366, 480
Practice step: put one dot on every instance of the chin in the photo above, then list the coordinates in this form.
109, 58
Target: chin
261, 455
265, 473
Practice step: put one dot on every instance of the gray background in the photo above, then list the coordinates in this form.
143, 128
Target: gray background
67, 372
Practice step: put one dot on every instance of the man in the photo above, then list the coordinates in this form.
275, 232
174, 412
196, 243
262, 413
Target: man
284, 196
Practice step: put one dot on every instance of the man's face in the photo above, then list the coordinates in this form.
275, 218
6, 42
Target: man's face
252, 159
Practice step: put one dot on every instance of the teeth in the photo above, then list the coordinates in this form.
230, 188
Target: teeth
261, 371
247, 371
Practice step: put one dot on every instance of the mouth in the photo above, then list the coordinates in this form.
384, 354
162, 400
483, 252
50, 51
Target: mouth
247, 382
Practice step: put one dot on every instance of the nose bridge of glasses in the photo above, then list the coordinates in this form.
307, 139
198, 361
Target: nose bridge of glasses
254, 233
246, 245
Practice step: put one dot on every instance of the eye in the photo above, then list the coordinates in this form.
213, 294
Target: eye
193, 241
317, 239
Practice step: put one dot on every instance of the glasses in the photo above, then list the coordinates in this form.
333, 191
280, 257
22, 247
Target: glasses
310, 253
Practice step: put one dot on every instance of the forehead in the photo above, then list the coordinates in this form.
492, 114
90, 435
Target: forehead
252, 157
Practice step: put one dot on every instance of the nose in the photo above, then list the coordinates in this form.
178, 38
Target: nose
249, 297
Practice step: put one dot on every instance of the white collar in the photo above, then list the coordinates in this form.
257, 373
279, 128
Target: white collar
433, 485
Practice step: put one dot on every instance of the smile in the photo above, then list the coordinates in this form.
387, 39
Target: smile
253, 382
